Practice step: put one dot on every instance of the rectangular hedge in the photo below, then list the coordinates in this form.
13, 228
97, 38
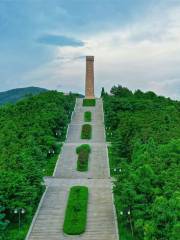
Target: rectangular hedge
86, 132
87, 116
89, 102
76, 211
83, 152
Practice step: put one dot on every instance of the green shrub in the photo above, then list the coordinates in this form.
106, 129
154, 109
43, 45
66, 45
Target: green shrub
86, 132
83, 152
89, 102
87, 116
83, 147
76, 211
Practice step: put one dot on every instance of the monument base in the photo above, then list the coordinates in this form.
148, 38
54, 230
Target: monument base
86, 97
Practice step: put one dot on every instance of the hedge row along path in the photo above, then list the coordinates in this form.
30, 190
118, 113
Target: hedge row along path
101, 223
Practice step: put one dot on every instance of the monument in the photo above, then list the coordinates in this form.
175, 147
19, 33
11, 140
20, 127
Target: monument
89, 86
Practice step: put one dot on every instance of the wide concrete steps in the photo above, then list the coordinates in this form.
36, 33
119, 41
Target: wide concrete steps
74, 134
96, 113
67, 164
101, 225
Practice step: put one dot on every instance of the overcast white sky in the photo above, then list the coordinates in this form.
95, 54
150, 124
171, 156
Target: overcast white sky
136, 43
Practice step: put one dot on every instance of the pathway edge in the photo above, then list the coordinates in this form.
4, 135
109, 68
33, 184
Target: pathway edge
114, 208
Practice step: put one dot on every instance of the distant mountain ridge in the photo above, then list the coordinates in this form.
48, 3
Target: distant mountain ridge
14, 95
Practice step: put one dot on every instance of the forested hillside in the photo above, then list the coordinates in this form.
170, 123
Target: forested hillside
14, 95
144, 130
31, 133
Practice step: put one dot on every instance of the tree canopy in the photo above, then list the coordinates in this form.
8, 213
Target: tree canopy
145, 134
31, 132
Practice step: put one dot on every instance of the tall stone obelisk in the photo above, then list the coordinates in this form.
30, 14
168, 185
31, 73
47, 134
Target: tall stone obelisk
89, 88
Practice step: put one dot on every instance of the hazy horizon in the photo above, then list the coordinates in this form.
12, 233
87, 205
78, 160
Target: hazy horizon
135, 44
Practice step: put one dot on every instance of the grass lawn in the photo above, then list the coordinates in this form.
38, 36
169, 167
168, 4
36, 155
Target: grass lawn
86, 132
83, 152
13, 232
49, 169
89, 102
76, 211
124, 233
87, 116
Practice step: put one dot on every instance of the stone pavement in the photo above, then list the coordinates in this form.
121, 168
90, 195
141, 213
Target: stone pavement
101, 224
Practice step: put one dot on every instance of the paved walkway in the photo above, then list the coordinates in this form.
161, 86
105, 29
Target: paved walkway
101, 225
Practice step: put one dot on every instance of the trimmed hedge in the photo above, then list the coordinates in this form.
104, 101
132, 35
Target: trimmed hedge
83, 152
89, 102
76, 211
86, 132
87, 116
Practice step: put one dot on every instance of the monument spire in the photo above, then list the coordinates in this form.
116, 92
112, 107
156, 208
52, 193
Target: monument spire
89, 86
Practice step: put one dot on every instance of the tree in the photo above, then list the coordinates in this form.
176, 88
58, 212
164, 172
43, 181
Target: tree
102, 92
145, 146
120, 91
27, 134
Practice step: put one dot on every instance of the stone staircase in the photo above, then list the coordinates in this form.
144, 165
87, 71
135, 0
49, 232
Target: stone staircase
101, 222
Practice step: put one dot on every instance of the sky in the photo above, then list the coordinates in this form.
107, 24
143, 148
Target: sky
136, 43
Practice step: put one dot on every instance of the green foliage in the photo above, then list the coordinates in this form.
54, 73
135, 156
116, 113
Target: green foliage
13, 232
145, 151
49, 168
121, 91
103, 93
89, 102
15, 95
86, 132
83, 152
30, 132
3, 222
83, 148
87, 116
76, 211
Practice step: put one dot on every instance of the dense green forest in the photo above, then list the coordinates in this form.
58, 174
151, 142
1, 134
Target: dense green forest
14, 95
144, 131
31, 132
